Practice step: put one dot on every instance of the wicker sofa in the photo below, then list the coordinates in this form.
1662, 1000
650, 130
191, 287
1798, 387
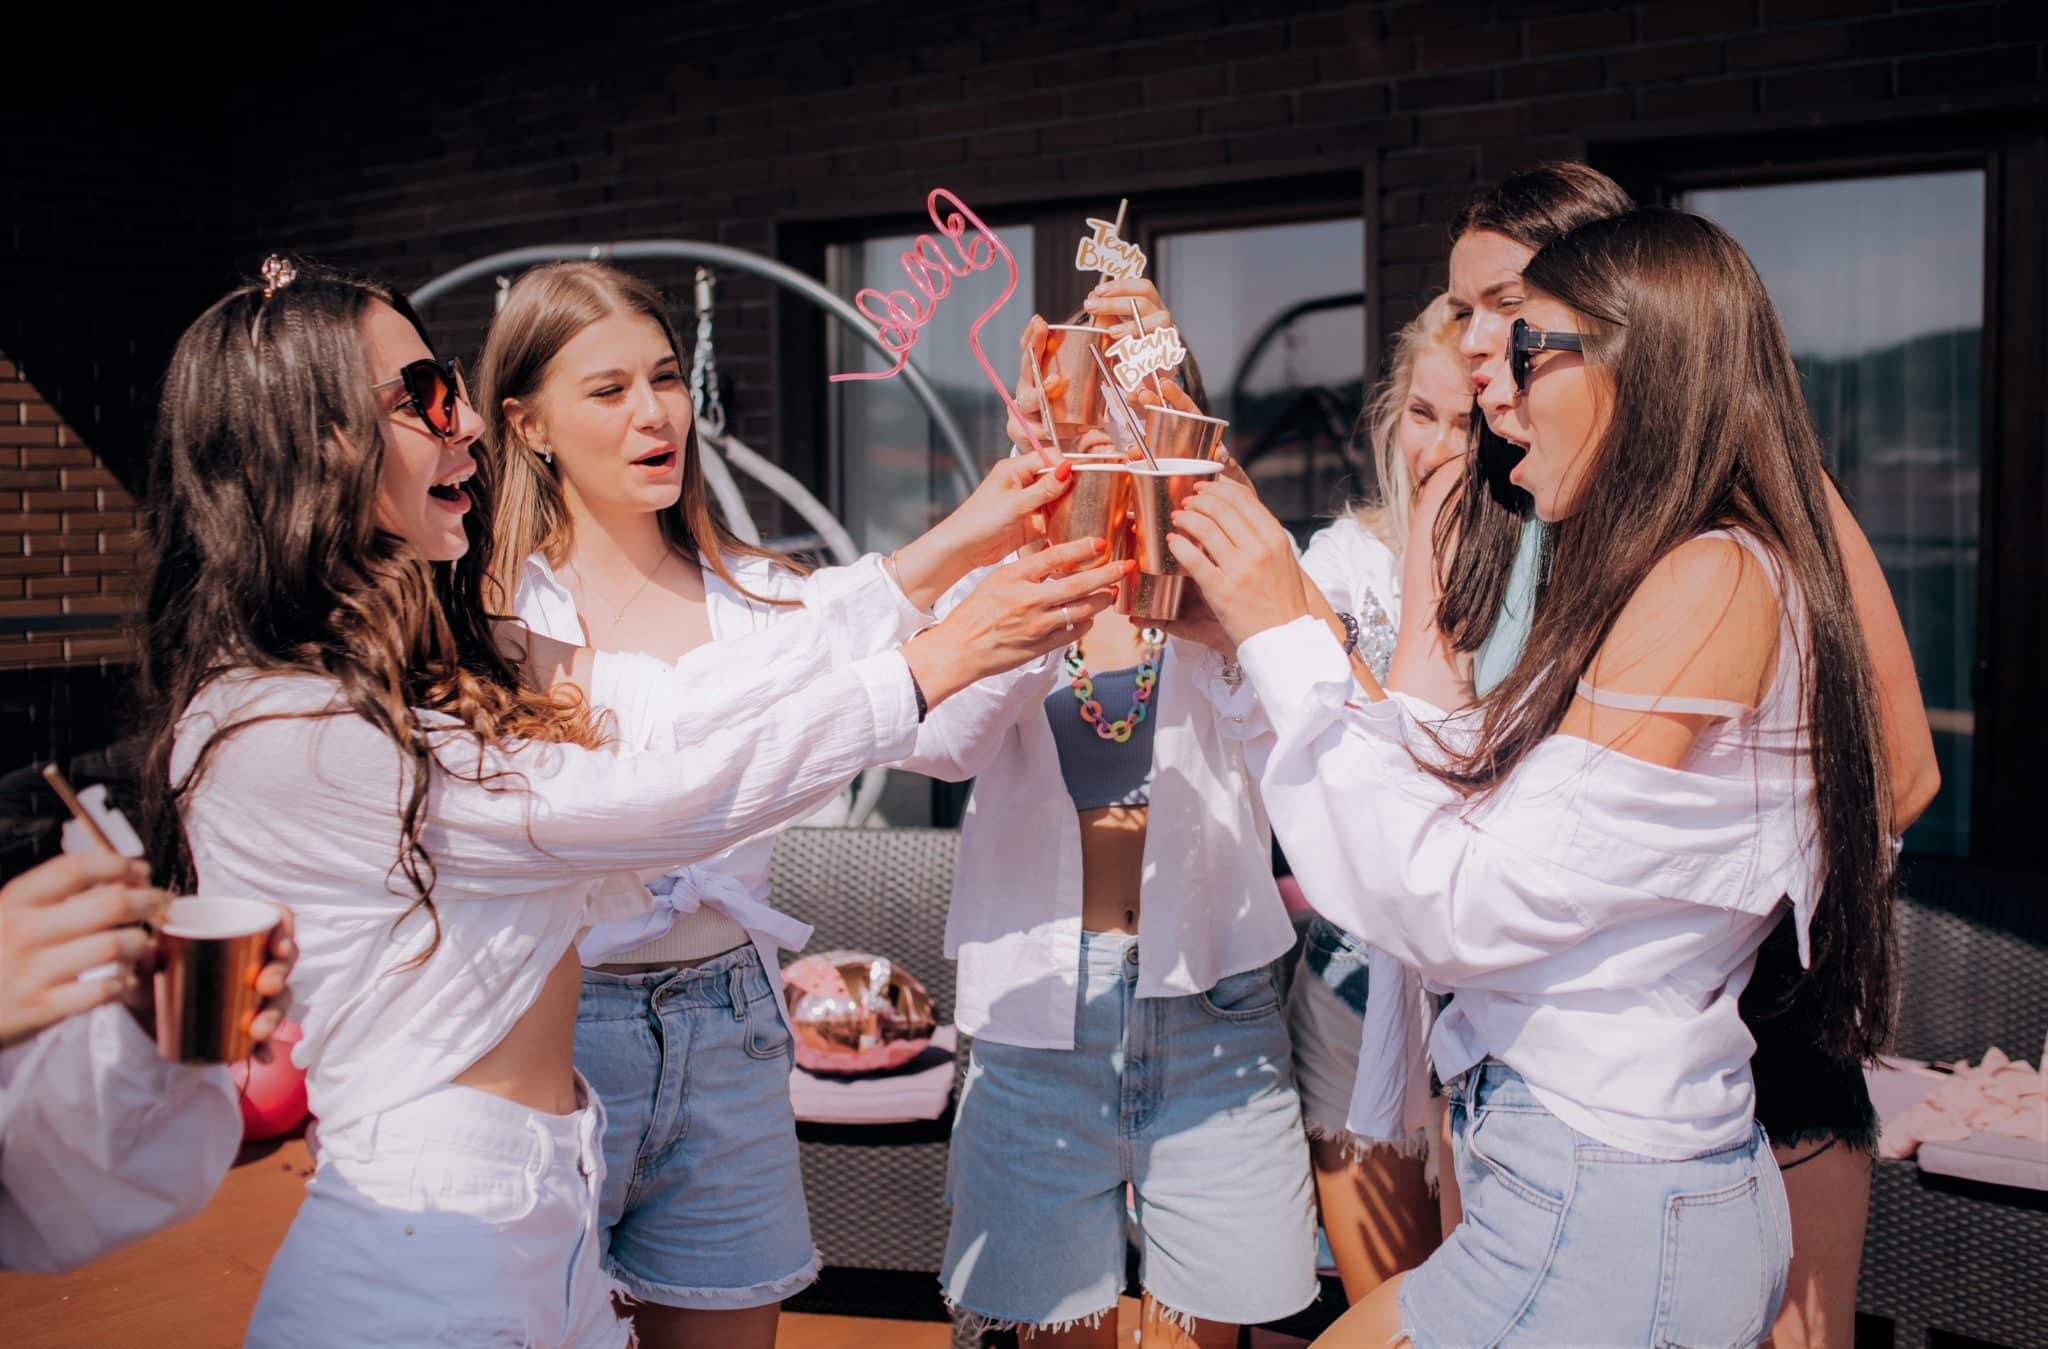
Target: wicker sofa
1944, 1255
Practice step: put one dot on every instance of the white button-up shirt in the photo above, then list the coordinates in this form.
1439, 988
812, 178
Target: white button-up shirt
1596, 916
530, 843
102, 1142
857, 611
1209, 907
1361, 576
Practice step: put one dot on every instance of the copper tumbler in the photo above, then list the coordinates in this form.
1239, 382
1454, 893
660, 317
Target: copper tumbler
1073, 384
209, 952
1154, 590
1173, 434
1096, 504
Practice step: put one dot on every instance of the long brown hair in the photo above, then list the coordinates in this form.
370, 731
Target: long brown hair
543, 312
1710, 430
265, 557
1386, 512
1532, 208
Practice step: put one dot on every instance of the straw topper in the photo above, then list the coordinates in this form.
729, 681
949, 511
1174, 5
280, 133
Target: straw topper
899, 316
1153, 353
1117, 259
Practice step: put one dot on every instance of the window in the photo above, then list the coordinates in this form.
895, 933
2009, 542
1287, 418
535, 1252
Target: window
895, 473
1880, 283
1274, 315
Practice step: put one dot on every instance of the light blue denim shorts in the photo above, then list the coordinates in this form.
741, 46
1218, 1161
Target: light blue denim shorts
1325, 1020
703, 1201
1566, 1240
1190, 1101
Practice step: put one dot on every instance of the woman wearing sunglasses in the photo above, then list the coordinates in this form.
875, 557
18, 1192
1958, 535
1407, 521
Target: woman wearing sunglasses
334, 726
606, 536
1590, 858
1813, 1103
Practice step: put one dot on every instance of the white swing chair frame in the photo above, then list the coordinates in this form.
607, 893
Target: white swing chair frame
723, 451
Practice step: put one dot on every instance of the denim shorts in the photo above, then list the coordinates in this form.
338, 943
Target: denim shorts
1567, 1240
703, 1203
1325, 1018
1188, 1100
459, 1218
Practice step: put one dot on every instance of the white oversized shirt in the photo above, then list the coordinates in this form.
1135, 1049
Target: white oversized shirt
102, 1142
305, 810
858, 609
1597, 917
1209, 906
1361, 576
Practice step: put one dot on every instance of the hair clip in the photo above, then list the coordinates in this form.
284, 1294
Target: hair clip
277, 274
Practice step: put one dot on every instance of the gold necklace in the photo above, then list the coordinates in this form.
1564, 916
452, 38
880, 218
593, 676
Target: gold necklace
583, 584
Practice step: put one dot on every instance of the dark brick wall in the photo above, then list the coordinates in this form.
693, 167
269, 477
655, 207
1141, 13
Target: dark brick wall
725, 120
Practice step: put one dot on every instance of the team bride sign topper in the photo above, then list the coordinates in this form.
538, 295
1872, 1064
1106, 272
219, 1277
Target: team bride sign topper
1117, 259
1152, 354
899, 316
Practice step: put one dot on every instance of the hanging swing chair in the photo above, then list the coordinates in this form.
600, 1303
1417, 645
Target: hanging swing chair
722, 450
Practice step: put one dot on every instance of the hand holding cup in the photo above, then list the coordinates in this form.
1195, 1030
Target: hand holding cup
65, 917
1242, 558
1019, 611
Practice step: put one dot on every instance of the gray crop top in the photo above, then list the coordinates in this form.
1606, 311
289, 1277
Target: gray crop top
1101, 772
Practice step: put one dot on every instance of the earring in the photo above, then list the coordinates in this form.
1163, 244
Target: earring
547, 456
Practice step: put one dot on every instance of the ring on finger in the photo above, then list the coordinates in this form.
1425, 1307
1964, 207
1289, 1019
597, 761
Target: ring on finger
1068, 616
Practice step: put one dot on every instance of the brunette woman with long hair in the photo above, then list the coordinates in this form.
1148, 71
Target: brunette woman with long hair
335, 726
1814, 1105
1590, 859
605, 535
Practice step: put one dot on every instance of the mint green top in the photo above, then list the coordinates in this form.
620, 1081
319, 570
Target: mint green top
1503, 646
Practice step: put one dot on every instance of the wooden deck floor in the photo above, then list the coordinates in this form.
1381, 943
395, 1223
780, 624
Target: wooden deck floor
193, 1286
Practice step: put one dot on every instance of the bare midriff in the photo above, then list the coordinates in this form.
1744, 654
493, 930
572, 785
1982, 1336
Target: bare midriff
535, 1064
1112, 863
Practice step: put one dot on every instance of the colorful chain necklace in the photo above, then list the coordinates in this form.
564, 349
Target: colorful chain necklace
1141, 697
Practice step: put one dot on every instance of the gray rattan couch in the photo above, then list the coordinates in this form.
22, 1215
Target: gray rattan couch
1952, 1256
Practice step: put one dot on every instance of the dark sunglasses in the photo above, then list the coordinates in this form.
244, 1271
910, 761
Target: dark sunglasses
431, 390
1526, 340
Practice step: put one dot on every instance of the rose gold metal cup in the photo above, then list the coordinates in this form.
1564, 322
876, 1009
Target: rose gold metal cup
209, 952
1173, 434
1154, 591
1080, 404
1096, 504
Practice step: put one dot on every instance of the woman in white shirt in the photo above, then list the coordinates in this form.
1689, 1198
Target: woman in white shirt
605, 530
334, 727
1112, 816
1591, 858
1357, 1017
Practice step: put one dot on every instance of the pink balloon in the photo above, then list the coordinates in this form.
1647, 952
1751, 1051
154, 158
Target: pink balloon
274, 1093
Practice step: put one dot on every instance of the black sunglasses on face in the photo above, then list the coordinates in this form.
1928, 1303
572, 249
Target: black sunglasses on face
431, 389
1525, 340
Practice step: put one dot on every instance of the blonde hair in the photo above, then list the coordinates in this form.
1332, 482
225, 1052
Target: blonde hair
545, 310
1386, 511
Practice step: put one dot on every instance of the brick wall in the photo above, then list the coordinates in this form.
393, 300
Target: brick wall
729, 119
67, 536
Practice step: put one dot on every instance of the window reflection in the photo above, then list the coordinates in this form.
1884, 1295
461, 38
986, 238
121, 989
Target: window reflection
1880, 282
1274, 314
896, 474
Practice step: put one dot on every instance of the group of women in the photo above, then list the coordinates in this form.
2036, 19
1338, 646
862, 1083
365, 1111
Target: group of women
1597, 699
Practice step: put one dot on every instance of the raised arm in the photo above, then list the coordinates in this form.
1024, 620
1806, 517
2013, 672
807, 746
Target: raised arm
1468, 893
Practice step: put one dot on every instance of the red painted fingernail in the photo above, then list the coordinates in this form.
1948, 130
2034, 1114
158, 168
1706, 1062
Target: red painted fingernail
1064, 471
1130, 565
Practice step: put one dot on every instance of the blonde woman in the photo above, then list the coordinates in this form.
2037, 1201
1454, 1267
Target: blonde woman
1357, 1016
